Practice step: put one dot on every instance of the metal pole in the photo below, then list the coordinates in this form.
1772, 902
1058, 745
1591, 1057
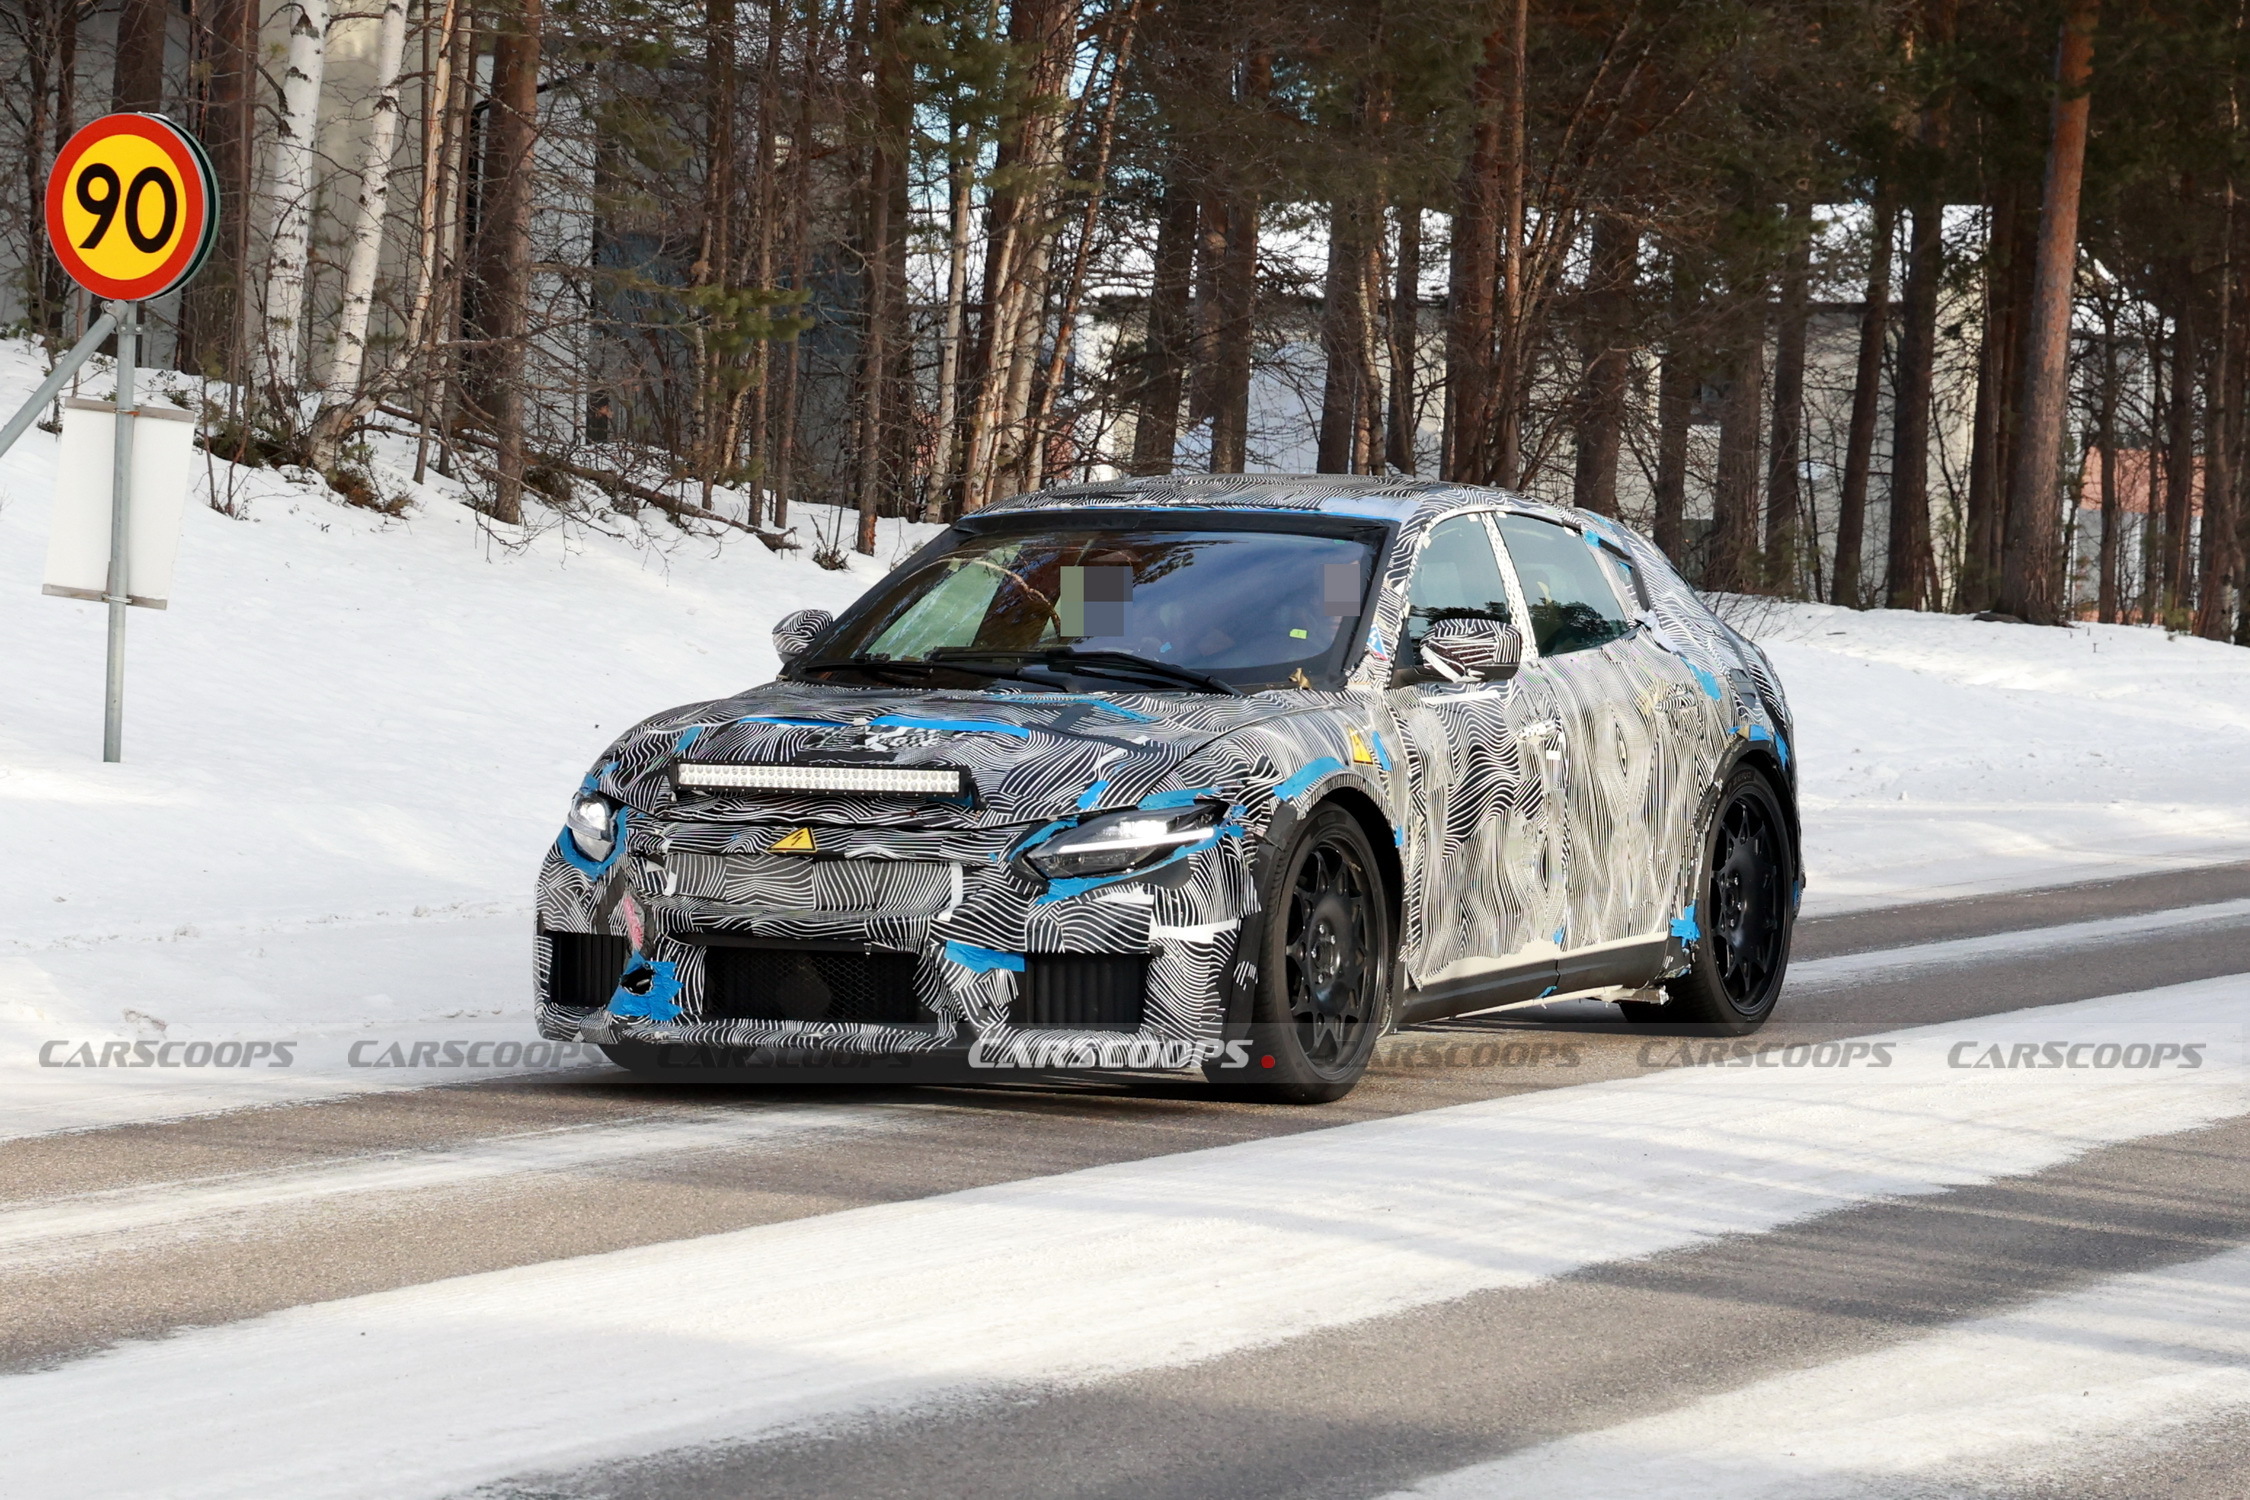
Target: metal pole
51, 387
120, 494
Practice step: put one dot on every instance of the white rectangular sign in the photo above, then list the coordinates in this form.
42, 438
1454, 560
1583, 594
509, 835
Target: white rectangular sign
78, 539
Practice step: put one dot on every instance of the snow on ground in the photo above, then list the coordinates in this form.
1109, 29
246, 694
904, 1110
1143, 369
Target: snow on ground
1942, 756
347, 743
350, 738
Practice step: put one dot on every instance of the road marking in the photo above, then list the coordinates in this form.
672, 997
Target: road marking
93, 1223
430, 1389
2050, 1385
1882, 963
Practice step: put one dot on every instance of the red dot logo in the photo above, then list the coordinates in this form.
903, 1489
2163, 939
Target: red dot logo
1265, 1062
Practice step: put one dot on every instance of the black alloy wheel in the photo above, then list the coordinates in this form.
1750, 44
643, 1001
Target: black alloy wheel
1749, 909
1745, 911
1324, 978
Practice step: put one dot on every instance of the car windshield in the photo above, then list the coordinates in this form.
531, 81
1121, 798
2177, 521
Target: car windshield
1241, 607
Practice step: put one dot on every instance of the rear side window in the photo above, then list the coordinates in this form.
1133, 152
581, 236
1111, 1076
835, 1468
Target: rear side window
1566, 586
1455, 578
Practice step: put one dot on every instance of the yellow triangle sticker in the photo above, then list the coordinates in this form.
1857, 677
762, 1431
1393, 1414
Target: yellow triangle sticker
800, 841
1361, 755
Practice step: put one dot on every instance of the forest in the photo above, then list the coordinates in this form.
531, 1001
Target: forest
1905, 304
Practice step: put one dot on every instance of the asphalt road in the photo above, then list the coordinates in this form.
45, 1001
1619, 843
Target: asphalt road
134, 1233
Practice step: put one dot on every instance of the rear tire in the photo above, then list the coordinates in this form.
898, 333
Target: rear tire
1745, 912
1324, 975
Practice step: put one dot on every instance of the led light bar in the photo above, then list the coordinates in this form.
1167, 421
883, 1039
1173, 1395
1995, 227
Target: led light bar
872, 781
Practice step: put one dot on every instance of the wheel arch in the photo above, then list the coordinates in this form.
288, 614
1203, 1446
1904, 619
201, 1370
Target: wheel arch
1759, 756
1382, 838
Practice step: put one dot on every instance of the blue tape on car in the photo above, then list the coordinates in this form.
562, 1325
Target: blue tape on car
1307, 776
982, 960
649, 990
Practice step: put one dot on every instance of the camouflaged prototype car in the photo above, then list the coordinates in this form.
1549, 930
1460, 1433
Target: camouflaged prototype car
1219, 772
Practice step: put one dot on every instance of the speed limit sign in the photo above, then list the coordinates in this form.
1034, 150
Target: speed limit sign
131, 207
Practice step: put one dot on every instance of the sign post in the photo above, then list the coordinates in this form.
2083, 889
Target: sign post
132, 210
120, 502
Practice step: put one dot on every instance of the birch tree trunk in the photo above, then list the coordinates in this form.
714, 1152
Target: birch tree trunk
348, 361
291, 187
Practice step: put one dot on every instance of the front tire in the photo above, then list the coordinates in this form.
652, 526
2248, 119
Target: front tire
1324, 977
1746, 911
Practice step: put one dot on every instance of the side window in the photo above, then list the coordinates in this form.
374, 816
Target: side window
1565, 586
1456, 578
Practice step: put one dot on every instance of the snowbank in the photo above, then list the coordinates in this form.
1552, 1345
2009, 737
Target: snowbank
1942, 756
347, 743
350, 738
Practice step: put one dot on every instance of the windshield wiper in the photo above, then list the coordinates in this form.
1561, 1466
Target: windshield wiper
1019, 666
1061, 659
1125, 663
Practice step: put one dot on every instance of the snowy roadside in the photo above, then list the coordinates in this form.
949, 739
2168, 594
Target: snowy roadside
1944, 756
347, 743
351, 736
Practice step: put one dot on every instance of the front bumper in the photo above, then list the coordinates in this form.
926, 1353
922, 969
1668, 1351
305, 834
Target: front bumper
890, 949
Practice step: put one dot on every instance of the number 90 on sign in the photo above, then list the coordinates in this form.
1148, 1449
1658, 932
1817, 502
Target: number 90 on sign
131, 207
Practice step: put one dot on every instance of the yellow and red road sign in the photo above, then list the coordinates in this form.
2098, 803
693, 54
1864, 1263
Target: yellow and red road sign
131, 207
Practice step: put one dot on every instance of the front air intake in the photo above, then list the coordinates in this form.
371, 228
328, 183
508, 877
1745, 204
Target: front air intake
1082, 991
796, 984
583, 967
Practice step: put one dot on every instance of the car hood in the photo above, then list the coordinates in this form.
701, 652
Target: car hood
1033, 756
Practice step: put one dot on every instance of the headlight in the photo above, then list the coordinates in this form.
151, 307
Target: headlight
590, 824
1116, 843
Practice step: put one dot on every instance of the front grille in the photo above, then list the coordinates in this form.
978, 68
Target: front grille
1088, 991
793, 984
583, 967
791, 882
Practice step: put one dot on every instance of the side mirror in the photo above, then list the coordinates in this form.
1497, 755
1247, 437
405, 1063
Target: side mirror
1472, 650
792, 633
